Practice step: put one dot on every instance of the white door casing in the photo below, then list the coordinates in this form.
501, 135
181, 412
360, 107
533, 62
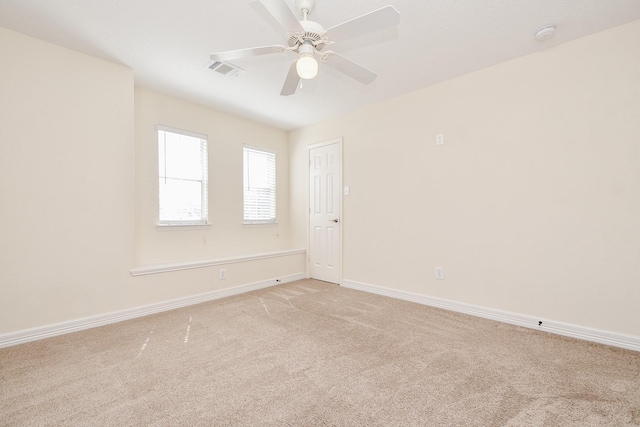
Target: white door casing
325, 222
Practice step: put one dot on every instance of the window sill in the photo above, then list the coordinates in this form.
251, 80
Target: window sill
186, 265
174, 227
260, 224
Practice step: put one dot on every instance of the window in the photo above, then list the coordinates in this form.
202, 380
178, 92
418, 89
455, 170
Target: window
182, 169
259, 169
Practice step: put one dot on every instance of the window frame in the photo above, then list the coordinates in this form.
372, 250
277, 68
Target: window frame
204, 195
267, 221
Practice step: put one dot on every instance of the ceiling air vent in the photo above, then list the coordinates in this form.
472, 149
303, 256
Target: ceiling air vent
225, 68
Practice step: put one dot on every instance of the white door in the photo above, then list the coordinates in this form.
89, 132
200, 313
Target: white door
325, 181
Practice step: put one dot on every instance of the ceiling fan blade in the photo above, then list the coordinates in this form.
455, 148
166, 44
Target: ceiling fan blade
350, 68
246, 53
291, 82
284, 15
379, 19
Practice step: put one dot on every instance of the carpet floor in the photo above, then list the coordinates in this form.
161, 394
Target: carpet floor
309, 353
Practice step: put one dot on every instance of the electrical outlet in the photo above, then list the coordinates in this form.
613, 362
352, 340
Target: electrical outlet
223, 274
440, 139
439, 273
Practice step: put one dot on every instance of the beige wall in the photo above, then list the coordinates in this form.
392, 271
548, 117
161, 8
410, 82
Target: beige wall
69, 232
226, 136
66, 183
531, 206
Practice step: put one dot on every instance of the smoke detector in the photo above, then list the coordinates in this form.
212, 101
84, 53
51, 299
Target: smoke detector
546, 33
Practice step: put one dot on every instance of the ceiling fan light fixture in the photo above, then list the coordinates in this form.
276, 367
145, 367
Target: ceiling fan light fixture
307, 66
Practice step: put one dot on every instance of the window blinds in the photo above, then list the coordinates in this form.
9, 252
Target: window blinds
259, 187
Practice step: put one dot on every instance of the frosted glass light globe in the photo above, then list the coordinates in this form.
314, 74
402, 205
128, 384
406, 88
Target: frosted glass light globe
307, 66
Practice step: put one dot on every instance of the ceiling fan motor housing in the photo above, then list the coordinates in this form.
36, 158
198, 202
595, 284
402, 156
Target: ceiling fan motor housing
313, 33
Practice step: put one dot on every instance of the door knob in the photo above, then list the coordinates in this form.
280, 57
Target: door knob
334, 220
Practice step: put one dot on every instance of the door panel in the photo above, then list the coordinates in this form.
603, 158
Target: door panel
325, 180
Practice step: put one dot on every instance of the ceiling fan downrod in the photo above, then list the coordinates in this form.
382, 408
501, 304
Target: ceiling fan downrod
305, 7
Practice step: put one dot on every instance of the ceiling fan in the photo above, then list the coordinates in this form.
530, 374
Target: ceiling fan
309, 39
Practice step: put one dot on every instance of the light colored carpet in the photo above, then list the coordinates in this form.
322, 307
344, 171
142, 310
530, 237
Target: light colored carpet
310, 353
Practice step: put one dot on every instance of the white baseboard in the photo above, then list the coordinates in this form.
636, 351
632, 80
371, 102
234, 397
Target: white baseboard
20, 337
628, 342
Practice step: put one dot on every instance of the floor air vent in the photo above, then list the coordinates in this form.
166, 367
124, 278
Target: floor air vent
225, 68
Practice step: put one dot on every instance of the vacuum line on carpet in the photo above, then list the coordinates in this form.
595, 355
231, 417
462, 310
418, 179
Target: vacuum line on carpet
186, 337
265, 307
144, 345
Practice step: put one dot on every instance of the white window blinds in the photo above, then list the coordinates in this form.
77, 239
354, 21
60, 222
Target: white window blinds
182, 166
259, 169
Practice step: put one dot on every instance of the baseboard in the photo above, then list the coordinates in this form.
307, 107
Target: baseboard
20, 337
628, 342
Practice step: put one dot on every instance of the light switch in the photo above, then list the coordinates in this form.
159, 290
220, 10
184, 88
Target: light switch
346, 190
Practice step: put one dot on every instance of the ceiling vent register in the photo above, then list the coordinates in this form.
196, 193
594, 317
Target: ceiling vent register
225, 68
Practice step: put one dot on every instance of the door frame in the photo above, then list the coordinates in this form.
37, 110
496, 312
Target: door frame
308, 209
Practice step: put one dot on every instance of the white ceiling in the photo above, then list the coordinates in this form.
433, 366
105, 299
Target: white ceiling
168, 42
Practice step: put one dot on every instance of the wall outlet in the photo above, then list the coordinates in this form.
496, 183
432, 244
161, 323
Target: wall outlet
440, 139
222, 274
439, 273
